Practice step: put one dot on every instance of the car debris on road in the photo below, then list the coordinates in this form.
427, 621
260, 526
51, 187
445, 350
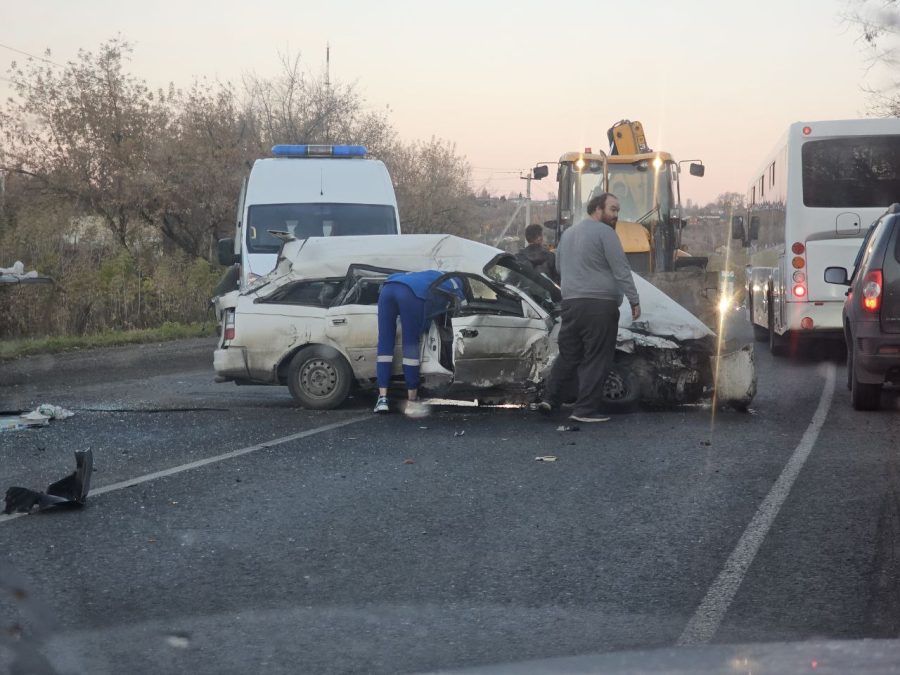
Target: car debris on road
68, 492
39, 417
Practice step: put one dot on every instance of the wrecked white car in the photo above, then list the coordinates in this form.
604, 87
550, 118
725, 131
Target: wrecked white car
311, 324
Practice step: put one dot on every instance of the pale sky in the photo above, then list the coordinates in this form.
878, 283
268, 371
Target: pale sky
511, 83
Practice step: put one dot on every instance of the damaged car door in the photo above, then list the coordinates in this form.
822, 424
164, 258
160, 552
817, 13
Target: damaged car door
499, 338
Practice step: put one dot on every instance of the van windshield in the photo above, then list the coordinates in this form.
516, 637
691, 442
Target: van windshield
315, 220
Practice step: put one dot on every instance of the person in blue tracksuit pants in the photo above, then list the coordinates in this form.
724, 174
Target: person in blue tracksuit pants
409, 296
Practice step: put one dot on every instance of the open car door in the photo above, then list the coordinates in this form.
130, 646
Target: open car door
498, 337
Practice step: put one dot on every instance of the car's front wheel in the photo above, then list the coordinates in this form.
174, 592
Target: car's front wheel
621, 390
319, 377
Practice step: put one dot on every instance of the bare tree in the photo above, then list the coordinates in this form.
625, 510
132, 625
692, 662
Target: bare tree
297, 107
432, 185
198, 167
86, 131
878, 25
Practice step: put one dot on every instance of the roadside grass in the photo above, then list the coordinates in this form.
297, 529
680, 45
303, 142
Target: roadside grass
11, 349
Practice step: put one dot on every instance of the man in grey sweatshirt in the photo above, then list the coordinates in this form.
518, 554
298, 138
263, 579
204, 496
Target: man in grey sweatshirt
595, 276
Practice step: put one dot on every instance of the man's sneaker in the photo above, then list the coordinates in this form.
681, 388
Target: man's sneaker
416, 409
382, 405
589, 417
543, 407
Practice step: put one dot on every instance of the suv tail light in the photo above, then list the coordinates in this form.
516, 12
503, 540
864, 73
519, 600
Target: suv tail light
871, 291
229, 325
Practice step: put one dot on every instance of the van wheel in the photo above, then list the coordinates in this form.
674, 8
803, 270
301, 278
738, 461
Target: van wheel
863, 395
319, 377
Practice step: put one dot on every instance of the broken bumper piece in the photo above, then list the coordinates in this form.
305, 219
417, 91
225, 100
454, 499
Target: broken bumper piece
71, 491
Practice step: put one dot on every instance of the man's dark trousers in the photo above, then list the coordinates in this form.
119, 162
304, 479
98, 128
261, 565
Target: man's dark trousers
587, 345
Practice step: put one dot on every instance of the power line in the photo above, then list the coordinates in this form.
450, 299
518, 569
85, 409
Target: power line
39, 58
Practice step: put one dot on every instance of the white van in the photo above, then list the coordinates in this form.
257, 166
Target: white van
308, 191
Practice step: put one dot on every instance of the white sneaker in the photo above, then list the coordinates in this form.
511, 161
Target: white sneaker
382, 405
416, 409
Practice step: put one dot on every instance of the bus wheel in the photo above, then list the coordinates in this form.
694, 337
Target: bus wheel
777, 343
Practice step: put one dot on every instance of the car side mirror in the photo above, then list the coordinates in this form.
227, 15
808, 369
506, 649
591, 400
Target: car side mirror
737, 227
836, 275
697, 170
226, 254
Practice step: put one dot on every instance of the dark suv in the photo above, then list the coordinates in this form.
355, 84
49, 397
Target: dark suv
872, 311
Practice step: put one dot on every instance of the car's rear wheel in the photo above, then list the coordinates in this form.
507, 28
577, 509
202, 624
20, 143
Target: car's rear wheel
863, 395
319, 377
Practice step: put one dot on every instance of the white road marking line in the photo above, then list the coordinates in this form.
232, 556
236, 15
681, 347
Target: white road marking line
209, 460
709, 615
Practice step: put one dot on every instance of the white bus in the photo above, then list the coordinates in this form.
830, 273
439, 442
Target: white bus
808, 207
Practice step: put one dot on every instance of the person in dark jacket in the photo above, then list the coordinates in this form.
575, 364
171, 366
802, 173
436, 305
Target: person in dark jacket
537, 254
411, 297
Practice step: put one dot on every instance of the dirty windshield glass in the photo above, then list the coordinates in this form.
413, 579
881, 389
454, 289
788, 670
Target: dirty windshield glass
851, 172
315, 220
639, 189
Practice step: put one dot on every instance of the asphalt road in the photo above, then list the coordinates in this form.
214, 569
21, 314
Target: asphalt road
389, 545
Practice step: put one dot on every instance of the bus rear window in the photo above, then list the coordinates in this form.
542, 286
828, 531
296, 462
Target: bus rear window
315, 220
855, 172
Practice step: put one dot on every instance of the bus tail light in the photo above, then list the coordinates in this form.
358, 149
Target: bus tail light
871, 291
806, 323
798, 262
799, 291
797, 248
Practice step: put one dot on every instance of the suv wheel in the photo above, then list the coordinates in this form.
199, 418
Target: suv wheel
319, 377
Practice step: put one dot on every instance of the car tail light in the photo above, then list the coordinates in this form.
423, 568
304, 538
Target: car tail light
871, 291
229, 325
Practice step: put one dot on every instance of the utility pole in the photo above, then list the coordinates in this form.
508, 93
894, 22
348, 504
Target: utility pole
527, 198
327, 65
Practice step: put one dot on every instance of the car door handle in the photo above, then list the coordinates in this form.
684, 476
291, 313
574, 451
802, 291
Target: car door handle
338, 322
468, 333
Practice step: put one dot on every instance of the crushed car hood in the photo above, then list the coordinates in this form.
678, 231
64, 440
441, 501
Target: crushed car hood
661, 317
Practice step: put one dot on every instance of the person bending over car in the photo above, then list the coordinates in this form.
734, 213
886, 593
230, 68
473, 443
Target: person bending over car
411, 297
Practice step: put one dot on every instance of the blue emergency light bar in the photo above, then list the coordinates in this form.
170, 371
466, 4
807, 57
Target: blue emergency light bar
319, 150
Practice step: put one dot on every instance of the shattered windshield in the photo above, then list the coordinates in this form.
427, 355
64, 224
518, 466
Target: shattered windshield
537, 286
640, 188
